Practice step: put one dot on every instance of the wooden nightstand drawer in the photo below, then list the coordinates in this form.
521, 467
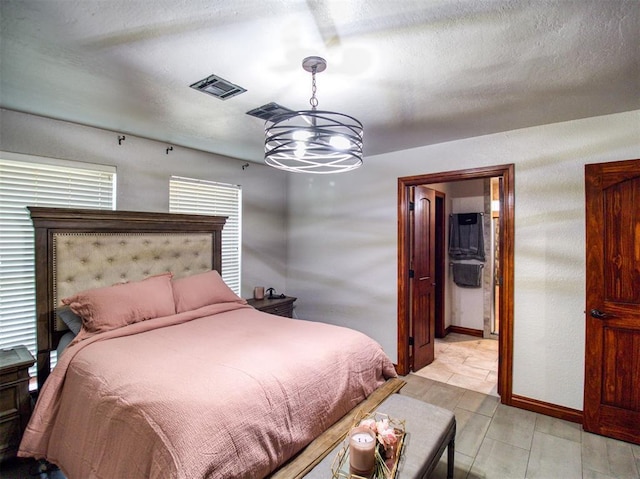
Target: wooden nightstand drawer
277, 306
280, 310
15, 402
10, 434
9, 377
9, 403
14, 386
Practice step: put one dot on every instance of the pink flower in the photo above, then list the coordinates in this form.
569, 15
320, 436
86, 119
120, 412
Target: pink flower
370, 423
387, 437
382, 425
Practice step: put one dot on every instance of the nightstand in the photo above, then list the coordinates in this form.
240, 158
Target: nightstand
15, 403
278, 306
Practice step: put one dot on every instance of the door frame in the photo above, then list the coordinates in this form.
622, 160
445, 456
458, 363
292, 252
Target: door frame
441, 224
505, 363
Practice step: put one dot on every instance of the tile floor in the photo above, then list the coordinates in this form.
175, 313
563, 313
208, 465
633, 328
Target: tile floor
494, 441
465, 361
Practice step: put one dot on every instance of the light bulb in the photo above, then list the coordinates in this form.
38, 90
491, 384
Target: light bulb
301, 135
301, 147
339, 142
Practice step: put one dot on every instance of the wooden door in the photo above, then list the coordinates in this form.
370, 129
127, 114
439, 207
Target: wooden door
423, 292
612, 356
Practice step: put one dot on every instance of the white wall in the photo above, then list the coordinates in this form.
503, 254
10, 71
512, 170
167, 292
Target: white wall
343, 241
143, 171
341, 230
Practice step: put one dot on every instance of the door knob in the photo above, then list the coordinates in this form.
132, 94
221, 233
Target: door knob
596, 313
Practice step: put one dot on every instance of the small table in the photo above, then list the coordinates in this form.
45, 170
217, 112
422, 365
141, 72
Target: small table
15, 406
278, 305
429, 431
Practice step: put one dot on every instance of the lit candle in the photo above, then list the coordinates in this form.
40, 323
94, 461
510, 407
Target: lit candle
362, 450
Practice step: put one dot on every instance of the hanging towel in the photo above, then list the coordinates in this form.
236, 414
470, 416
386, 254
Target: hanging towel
466, 236
467, 275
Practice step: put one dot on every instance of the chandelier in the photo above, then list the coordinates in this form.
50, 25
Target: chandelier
313, 141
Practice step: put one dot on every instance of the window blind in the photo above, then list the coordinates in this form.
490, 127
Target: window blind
34, 181
193, 196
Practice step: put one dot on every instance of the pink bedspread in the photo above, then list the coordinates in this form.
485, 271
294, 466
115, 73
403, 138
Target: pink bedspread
222, 392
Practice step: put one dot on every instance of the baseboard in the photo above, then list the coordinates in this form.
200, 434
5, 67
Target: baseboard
548, 409
468, 331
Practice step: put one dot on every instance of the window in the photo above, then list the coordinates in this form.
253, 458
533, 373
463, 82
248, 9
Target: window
187, 195
34, 181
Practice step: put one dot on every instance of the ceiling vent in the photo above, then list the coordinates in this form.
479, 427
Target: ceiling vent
268, 111
218, 87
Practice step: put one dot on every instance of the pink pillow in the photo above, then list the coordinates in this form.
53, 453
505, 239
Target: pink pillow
200, 290
111, 307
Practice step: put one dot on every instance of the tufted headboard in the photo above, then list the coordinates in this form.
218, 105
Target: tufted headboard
77, 250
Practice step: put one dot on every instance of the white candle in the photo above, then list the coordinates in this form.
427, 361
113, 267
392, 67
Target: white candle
362, 447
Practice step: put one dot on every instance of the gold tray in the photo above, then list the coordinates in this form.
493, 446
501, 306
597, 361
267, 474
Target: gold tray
385, 468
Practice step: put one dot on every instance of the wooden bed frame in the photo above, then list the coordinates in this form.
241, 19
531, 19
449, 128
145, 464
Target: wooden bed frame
142, 244
70, 257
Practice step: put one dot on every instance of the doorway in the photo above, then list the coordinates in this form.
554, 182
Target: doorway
504, 304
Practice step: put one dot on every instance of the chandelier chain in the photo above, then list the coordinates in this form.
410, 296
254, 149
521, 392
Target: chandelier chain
313, 101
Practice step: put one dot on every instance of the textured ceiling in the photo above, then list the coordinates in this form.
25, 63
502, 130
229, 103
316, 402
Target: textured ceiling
413, 72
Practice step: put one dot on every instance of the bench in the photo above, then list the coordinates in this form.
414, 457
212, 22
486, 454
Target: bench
429, 431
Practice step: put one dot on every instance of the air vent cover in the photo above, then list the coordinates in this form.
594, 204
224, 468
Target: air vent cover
218, 87
268, 111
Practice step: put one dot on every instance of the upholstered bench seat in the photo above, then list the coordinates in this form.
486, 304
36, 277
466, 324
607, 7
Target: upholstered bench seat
429, 431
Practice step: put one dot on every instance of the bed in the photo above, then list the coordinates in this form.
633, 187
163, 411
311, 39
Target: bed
171, 375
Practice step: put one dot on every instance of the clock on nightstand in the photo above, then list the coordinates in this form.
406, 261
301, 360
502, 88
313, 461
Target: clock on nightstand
278, 305
15, 402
